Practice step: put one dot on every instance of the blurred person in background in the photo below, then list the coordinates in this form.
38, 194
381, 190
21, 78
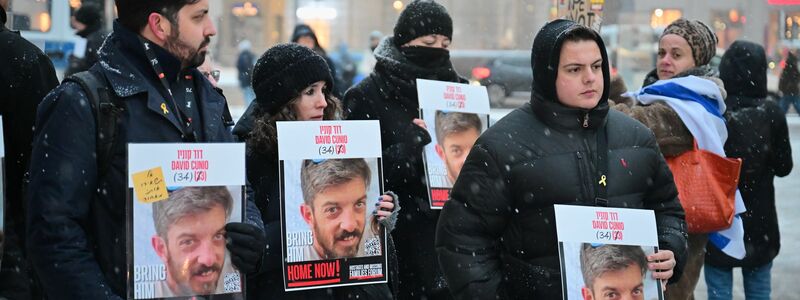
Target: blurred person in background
26, 76
368, 60
681, 101
305, 36
789, 85
757, 133
244, 65
418, 49
88, 23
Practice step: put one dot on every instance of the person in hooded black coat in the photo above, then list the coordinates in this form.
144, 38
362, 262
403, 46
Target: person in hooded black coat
496, 237
285, 77
89, 18
26, 76
389, 94
757, 133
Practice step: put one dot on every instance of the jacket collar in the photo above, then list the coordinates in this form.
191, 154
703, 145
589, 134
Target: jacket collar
558, 116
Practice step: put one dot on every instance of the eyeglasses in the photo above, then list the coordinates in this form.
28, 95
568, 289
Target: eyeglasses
214, 74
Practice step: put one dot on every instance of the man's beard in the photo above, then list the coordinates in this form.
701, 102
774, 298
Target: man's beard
189, 56
330, 253
183, 283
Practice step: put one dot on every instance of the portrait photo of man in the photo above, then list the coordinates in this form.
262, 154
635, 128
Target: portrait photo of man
613, 272
335, 206
190, 240
456, 132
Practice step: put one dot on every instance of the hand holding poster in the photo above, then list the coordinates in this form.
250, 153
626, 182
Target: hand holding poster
331, 182
604, 250
180, 198
455, 114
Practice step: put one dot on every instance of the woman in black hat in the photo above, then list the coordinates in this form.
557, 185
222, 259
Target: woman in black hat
292, 83
418, 49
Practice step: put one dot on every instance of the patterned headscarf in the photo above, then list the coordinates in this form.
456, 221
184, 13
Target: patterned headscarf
701, 38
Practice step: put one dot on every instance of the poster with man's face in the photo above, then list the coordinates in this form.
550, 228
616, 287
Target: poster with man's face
456, 114
331, 181
604, 253
181, 196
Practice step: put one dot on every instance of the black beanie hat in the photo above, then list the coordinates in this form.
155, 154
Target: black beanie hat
281, 73
421, 18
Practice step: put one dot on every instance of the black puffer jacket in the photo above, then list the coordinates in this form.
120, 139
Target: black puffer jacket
389, 95
496, 236
757, 133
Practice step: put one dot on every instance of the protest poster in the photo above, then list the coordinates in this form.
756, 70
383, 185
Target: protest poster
331, 180
2, 190
180, 197
588, 13
455, 114
604, 250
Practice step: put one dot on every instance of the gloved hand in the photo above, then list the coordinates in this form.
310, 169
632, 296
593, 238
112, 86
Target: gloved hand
247, 244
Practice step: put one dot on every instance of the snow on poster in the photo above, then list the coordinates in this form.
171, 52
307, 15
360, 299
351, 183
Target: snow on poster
455, 114
331, 179
180, 197
604, 251
2, 190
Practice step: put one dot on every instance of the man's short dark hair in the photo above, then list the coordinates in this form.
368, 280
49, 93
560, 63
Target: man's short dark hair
596, 260
579, 33
133, 13
448, 123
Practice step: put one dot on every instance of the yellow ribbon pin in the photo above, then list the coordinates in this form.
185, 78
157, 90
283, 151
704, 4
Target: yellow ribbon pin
602, 180
164, 108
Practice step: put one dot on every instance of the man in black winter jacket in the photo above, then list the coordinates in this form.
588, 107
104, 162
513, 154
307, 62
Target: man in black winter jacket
496, 235
26, 76
77, 211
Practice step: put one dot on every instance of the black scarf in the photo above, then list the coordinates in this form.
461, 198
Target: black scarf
400, 74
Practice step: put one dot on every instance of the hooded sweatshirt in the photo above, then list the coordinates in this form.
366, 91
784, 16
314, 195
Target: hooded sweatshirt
496, 236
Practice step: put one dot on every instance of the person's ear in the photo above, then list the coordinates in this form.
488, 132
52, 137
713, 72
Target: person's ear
307, 214
586, 293
159, 26
160, 246
439, 151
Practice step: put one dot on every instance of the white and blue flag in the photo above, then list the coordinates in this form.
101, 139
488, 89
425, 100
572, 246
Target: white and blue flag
700, 105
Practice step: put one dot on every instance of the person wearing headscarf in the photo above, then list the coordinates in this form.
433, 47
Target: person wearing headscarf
293, 83
757, 133
496, 237
682, 101
418, 49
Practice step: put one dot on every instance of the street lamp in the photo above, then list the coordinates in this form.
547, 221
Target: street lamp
398, 5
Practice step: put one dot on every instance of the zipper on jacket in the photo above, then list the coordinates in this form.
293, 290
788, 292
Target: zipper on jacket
582, 176
586, 120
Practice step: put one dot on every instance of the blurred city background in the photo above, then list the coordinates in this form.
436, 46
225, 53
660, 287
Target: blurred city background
491, 39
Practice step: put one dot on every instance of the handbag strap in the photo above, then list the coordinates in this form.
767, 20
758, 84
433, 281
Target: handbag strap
601, 164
